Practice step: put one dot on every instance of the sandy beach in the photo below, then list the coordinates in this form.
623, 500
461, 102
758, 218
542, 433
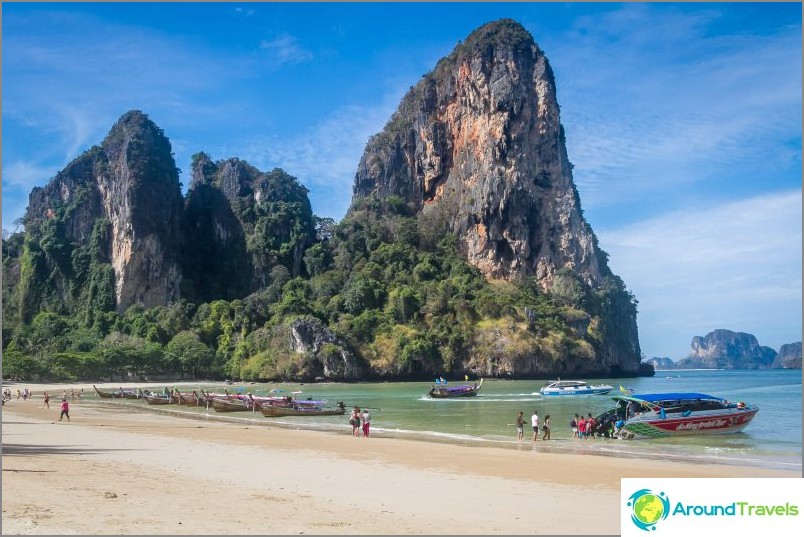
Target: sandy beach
109, 471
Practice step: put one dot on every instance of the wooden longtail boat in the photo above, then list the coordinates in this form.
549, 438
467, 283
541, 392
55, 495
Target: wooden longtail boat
188, 399
231, 405
272, 411
156, 399
108, 394
131, 393
443, 392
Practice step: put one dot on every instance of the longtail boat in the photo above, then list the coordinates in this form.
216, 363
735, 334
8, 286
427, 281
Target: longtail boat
156, 399
272, 411
231, 405
130, 393
108, 394
442, 391
677, 414
189, 399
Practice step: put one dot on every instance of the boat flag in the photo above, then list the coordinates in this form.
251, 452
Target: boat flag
628, 391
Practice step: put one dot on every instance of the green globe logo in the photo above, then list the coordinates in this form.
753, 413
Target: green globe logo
648, 508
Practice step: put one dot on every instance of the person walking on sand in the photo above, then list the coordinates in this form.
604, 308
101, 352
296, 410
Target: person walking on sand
366, 422
46, 399
520, 425
534, 423
65, 410
546, 428
354, 421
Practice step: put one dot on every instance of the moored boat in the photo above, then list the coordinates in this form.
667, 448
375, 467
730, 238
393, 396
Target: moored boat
156, 399
108, 394
232, 404
130, 393
574, 387
678, 414
442, 391
187, 399
271, 411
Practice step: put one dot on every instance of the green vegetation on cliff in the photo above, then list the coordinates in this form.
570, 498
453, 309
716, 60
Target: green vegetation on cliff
390, 287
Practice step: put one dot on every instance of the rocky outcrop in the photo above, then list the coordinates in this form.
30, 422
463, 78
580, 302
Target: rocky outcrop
661, 362
724, 349
131, 181
477, 149
327, 356
789, 357
479, 141
244, 222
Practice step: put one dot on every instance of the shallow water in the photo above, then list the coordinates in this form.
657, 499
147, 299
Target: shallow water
402, 409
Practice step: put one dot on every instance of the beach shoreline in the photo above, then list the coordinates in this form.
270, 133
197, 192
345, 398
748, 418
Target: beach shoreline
112, 471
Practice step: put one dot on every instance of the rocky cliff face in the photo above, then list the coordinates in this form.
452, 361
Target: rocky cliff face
477, 147
661, 362
724, 349
789, 357
131, 181
479, 141
244, 222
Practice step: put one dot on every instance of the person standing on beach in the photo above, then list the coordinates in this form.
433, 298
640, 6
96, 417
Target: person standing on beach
534, 423
46, 399
65, 410
520, 425
354, 421
546, 428
366, 422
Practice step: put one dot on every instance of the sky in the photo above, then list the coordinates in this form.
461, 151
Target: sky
683, 121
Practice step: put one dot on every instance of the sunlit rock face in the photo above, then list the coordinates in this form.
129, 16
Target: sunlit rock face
479, 141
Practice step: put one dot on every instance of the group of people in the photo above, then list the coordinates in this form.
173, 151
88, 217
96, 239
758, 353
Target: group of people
356, 418
535, 424
582, 427
27, 394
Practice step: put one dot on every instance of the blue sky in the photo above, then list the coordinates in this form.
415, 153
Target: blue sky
683, 121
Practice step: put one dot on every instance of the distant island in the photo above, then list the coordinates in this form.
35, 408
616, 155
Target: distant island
724, 349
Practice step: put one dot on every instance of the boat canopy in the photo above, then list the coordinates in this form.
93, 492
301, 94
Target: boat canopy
657, 397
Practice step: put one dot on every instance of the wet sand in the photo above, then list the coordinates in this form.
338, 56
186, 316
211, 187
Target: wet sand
115, 472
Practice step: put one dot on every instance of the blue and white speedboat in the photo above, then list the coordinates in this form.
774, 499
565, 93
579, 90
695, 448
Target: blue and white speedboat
574, 387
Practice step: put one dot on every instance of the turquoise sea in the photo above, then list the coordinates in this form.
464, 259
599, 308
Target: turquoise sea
402, 409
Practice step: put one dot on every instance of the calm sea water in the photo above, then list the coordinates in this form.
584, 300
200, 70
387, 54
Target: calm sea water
402, 409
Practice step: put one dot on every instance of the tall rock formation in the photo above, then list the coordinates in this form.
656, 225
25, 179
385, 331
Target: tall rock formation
479, 140
243, 223
724, 349
121, 203
477, 147
789, 357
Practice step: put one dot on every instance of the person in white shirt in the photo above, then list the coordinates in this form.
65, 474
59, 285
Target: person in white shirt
534, 421
366, 422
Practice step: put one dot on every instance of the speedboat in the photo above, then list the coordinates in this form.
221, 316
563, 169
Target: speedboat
655, 415
574, 387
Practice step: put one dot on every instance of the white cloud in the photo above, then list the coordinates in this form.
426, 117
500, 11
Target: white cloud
734, 266
325, 156
285, 49
651, 101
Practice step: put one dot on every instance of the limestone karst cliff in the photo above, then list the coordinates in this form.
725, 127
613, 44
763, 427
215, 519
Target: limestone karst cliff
479, 140
725, 349
121, 201
477, 146
465, 250
243, 223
